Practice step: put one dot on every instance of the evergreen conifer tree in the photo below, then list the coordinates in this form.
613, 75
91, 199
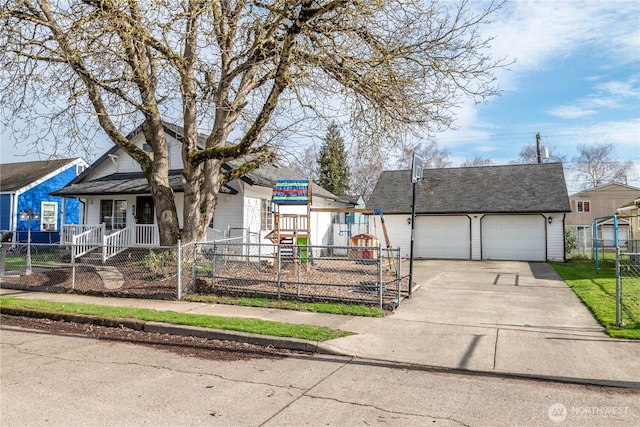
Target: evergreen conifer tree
333, 169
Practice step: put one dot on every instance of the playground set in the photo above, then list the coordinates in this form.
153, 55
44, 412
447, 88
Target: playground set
292, 231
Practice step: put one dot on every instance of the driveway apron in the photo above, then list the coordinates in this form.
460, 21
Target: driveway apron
496, 316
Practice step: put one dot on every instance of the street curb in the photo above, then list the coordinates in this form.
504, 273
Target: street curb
294, 344
130, 323
286, 343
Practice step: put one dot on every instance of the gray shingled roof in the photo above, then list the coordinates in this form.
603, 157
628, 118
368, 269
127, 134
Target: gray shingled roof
14, 176
118, 183
136, 183
530, 188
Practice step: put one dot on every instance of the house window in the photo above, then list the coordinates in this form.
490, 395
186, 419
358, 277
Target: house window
114, 214
583, 206
48, 216
266, 215
79, 169
147, 147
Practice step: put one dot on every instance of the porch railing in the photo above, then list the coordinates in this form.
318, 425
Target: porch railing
88, 240
117, 242
146, 235
70, 230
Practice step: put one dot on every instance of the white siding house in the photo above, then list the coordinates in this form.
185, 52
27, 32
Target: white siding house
117, 196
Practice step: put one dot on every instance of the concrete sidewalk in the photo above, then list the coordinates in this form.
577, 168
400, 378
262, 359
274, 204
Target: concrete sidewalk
512, 318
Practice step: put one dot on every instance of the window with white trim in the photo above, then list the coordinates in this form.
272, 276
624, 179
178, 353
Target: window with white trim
266, 215
114, 214
583, 206
48, 216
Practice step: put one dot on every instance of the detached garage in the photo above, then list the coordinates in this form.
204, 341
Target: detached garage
512, 212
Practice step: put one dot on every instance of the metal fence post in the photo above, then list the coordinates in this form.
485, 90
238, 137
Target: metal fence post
380, 284
278, 259
398, 275
618, 288
194, 269
298, 262
179, 269
73, 267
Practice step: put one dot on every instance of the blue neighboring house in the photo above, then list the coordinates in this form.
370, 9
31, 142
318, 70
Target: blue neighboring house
27, 185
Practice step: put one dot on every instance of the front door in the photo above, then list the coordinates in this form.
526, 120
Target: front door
144, 218
144, 210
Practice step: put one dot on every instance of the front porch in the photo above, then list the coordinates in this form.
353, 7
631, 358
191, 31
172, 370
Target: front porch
87, 238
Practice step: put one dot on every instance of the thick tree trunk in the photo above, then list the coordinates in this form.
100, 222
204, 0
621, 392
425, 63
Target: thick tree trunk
201, 188
158, 177
166, 215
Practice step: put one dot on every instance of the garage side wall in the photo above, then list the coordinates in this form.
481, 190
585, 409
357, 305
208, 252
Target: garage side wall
555, 237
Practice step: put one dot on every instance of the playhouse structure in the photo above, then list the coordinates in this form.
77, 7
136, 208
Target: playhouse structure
292, 231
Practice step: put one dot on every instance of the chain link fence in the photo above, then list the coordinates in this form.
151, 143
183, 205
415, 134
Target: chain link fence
127, 272
361, 275
628, 285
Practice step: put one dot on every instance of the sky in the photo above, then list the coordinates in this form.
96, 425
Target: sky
575, 80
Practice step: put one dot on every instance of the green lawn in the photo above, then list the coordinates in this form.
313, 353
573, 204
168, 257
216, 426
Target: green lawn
598, 291
17, 262
255, 326
315, 307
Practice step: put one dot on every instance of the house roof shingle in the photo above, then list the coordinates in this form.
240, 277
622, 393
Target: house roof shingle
14, 176
530, 188
118, 183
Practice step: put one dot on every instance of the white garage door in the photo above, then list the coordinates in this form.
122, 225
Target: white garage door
514, 237
446, 237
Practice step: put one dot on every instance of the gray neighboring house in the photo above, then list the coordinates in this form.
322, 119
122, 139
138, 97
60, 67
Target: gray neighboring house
512, 212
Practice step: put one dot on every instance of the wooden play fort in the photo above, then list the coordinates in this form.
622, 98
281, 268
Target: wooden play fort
292, 231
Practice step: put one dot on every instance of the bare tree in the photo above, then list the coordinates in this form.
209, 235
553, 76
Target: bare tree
529, 154
365, 171
305, 164
247, 68
595, 166
431, 153
477, 161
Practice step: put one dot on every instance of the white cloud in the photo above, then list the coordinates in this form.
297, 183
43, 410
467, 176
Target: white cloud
571, 112
619, 89
606, 96
623, 134
536, 33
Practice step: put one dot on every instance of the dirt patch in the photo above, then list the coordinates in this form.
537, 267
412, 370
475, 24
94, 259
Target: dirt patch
201, 348
138, 276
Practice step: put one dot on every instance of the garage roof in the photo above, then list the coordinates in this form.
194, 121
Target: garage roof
530, 188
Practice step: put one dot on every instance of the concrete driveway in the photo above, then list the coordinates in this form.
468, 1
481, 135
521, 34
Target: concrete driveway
495, 316
497, 294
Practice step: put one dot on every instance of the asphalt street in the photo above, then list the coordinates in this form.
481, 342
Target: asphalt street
55, 380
